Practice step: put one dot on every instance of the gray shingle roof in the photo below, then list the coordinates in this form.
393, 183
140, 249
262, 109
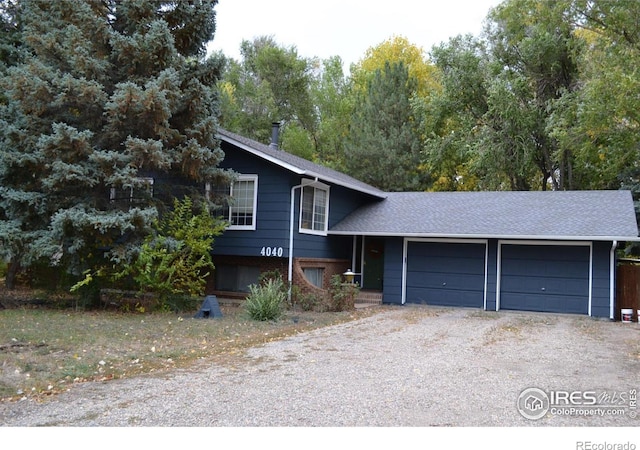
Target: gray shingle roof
298, 165
584, 215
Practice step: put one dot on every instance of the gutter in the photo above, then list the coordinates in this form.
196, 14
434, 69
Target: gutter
532, 237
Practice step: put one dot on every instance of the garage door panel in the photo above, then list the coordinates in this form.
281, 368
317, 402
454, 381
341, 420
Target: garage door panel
449, 250
445, 274
548, 303
445, 281
542, 268
441, 297
548, 278
545, 252
441, 258
550, 286
445, 265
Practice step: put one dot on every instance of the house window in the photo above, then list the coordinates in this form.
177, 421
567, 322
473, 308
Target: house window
314, 275
239, 205
142, 189
314, 210
236, 278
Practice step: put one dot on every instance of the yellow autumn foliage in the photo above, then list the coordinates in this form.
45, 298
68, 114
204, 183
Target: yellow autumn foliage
398, 49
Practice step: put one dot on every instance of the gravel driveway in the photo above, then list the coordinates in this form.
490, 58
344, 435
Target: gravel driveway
403, 366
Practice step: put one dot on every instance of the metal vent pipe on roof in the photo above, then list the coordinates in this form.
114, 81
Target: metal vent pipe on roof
275, 135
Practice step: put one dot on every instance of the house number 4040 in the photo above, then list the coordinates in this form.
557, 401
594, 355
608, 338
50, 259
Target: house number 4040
272, 251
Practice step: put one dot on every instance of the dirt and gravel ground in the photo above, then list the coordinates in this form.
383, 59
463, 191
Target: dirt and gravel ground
405, 366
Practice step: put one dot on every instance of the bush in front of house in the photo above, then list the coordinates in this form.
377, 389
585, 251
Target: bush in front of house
342, 296
308, 301
168, 271
266, 301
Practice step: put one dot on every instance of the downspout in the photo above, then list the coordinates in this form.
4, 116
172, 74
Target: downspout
612, 279
354, 248
291, 219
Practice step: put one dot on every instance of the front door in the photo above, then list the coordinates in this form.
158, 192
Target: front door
373, 264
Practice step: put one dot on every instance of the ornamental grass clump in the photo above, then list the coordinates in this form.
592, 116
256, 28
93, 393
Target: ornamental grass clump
266, 301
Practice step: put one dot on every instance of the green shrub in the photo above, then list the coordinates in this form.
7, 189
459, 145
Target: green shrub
172, 263
276, 277
266, 301
307, 302
342, 296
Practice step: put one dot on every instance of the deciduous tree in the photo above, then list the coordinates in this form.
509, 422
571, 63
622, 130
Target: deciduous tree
270, 84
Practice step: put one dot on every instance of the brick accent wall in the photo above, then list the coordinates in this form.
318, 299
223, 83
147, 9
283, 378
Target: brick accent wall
331, 267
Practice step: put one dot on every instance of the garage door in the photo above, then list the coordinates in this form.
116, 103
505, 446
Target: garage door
545, 278
446, 274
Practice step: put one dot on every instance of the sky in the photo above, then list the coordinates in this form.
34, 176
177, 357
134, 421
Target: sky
345, 28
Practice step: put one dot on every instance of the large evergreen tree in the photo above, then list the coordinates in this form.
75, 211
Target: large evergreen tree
109, 94
383, 147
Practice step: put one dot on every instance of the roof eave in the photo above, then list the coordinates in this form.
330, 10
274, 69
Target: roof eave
260, 154
488, 236
372, 192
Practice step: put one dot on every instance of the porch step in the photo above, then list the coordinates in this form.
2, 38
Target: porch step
369, 298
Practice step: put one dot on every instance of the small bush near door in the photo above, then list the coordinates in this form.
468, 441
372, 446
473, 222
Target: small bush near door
342, 296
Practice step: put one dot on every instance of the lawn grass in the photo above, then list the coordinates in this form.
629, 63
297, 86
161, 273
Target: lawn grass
44, 351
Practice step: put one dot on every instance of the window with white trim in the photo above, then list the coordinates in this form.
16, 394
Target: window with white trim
314, 210
240, 203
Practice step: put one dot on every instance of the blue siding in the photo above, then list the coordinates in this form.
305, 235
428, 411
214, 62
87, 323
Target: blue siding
545, 278
273, 213
446, 273
601, 288
392, 287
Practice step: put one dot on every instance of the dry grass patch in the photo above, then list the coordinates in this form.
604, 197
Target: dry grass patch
414, 314
44, 352
517, 326
481, 314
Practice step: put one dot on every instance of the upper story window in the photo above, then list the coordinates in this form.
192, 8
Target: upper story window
240, 205
143, 190
314, 210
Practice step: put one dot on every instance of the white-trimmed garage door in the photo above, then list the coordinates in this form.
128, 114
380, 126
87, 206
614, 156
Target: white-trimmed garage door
546, 278
445, 273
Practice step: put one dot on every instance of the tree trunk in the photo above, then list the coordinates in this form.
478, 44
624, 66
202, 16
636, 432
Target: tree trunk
12, 271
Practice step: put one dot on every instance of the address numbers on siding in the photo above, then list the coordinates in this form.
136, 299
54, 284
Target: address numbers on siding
272, 251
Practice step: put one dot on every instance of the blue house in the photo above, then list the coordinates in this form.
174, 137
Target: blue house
533, 251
